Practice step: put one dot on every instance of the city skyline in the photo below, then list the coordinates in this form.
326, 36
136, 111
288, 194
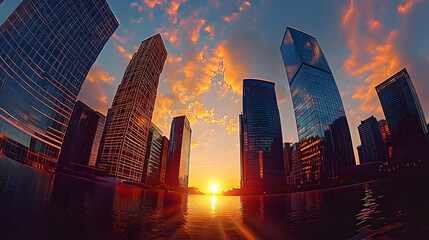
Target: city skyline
394, 40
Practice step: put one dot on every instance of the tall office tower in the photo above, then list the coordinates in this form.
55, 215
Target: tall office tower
127, 127
404, 115
360, 154
241, 136
164, 157
295, 176
179, 153
323, 130
263, 164
372, 141
80, 139
152, 162
387, 139
287, 156
97, 140
46, 51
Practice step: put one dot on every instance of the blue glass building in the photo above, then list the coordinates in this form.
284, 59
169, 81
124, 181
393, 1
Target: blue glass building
46, 50
372, 141
261, 136
323, 130
404, 116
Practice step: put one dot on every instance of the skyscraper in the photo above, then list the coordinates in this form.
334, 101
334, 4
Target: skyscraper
287, 156
404, 116
80, 140
323, 130
164, 157
152, 163
360, 154
387, 139
46, 51
127, 127
372, 141
262, 144
97, 140
179, 153
295, 175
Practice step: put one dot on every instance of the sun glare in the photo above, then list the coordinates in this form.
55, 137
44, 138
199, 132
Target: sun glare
214, 189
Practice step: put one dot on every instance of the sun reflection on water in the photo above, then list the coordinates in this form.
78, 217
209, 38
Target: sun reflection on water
213, 203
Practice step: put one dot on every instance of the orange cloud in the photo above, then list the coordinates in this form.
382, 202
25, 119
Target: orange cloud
120, 39
374, 25
134, 4
373, 56
137, 20
404, 8
172, 10
235, 15
233, 125
193, 25
99, 74
123, 52
210, 30
152, 3
172, 35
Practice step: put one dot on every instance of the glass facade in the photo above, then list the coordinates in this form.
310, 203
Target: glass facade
404, 116
323, 131
287, 155
261, 138
80, 138
387, 139
164, 157
152, 164
97, 140
46, 51
128, 121
372, 141
179, 153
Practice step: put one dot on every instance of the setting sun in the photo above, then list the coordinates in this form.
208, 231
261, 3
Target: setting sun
214, 189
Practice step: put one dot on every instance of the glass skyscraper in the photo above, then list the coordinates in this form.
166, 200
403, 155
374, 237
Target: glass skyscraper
404, 116
152, 163
129, 119
164, 157
323, 130
46, 51
179, 153
372, 141
261, 136
80, 145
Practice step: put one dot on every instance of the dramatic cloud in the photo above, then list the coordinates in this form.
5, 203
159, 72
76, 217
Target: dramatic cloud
373, 56
98, 73
123, 52
235, 15
404, 8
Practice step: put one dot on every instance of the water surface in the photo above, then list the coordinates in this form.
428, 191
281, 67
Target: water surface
38, 205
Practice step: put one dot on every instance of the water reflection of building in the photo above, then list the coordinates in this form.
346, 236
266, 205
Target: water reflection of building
124, 141
323, 130
82, 138
263, 163
152, 162
42, 69
373, 149
404, 116
179, 153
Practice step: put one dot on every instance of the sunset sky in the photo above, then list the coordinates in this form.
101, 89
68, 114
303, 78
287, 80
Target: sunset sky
213, 45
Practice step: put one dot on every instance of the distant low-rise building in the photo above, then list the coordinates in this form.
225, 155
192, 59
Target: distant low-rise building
372, 141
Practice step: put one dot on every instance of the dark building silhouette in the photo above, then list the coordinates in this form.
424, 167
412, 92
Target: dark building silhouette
152, 163
387, 139
295, 176
323, 131
372, 141
262, 144
404, 116
80, 139
164, 157
287, 156
241, 136
97, 140
360, 154
47, 48
179, 153
127, 127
